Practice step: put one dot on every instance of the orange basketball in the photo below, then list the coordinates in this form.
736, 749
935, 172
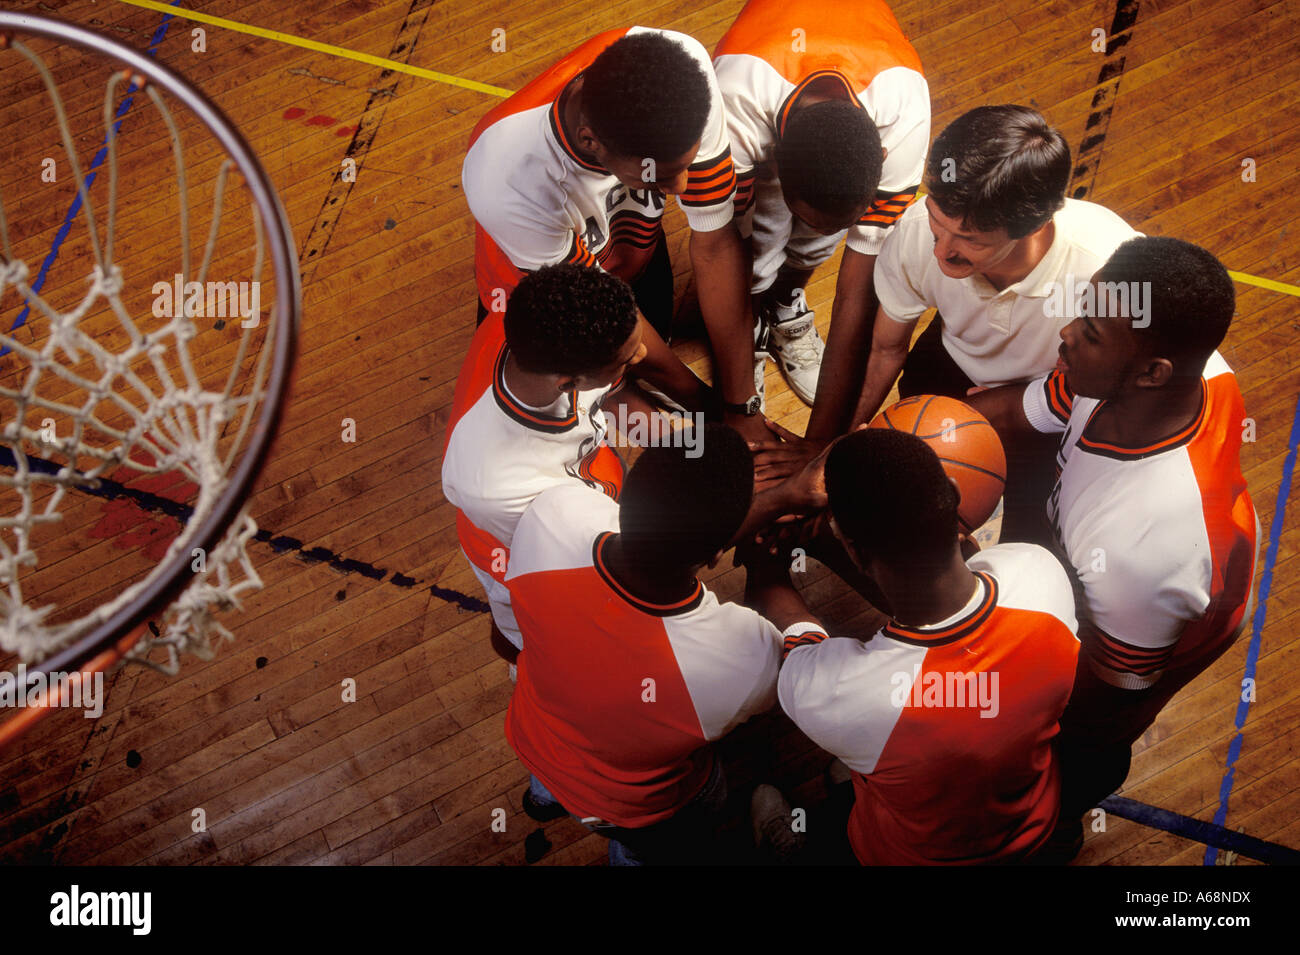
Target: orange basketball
966, 444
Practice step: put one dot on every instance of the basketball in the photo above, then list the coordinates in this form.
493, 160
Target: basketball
967, 446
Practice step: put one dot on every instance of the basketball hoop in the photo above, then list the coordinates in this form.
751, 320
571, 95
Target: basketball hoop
102, 389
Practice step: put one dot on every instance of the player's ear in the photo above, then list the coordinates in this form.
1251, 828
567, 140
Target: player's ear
968, 544
586, 140
956, 487
565, 383
1157, 373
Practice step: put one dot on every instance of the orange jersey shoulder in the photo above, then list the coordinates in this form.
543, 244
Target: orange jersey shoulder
547, 86
859, 38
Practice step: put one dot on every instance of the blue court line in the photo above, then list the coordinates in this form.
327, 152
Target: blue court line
89, 179
1257, 624
1212, 834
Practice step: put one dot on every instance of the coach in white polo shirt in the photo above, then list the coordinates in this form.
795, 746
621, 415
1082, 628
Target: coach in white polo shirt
987, 246
996, 248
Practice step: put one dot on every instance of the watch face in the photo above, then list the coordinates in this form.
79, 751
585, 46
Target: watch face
753, 405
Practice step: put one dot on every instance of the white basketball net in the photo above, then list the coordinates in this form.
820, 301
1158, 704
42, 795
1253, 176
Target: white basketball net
141, 407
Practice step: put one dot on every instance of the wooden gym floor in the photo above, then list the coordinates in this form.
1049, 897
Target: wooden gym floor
412, 770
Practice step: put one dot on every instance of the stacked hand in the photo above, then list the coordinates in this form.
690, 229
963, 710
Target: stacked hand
790, 502
778, 461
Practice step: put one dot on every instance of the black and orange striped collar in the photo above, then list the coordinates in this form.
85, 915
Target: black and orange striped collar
783, 116
557, 130
964, 627
522, 413
685, 605
1176, 440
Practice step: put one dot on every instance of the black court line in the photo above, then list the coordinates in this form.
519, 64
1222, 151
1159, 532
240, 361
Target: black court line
1088, 157
340, 189
155, 503
1198, 831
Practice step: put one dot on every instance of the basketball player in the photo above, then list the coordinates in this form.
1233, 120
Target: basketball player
828, 116
1150, 510
631, 667
989, 245
575, 167
527, 413
945, 716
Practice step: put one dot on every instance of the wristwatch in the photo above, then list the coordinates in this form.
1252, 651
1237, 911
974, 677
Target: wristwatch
750, 408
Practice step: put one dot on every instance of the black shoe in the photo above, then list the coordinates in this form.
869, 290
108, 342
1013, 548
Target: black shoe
539, 812
776, 833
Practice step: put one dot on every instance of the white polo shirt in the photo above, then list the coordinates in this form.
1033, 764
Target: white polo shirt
996, 338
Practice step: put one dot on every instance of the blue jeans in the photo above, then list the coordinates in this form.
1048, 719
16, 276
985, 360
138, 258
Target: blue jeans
682, 838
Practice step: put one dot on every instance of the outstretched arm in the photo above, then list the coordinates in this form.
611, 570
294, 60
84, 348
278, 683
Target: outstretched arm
666, 372
848, 343
889, 344
1005, 409
769, 591
722, 278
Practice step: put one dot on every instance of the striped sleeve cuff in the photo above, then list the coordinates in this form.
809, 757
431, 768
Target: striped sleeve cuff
1047, 404
1124, 665
802, 634
888, 208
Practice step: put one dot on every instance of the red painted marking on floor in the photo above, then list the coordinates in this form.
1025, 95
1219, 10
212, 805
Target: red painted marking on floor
129, 526
297, 112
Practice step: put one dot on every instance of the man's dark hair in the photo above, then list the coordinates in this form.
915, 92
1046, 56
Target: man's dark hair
1191, 298
891, 497
677, 511
568, 320
646, 97
830, 157
999, 167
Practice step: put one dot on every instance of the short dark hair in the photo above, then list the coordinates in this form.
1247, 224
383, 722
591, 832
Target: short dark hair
891, 497
568, 319
830, 157
677, 511
645, 96
999, 167
1191, 299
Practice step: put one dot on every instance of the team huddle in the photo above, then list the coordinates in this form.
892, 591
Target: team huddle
1000, 702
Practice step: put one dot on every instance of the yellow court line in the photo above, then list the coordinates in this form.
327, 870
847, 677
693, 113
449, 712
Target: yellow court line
320, 47
1270, 284
332, 50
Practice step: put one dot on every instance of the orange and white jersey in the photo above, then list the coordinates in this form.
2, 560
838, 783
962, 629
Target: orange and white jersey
537, 202
777, 48
1163, 539
948, 728
500, 454
617, 699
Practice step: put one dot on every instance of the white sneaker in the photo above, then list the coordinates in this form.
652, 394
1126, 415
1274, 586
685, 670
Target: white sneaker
761, 355
795, 345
